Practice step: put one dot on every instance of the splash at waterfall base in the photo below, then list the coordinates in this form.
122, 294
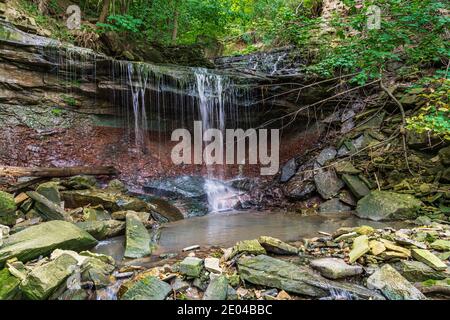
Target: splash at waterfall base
213, 153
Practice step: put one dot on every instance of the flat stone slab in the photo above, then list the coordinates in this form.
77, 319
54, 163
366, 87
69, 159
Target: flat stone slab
249, 247
356, 185
191, 266
334, 206
149, 288
393, 285
334, 268
42, 239
270, 272
327, 183
360, 247
429, 259
101, 230
277, 246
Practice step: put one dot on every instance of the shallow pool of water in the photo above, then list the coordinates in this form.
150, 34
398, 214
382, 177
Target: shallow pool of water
225, 229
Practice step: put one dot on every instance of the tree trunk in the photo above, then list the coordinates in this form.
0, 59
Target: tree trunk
105, 11
175, 26
55, 172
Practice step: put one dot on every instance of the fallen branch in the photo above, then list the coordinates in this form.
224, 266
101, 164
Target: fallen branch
7, 171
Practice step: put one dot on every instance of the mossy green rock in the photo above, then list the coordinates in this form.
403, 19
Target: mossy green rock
277, 246
81, 182
47, 278
441, 245
50, 191
429, 259
137, 243
217, 289
249, 247
109, 200
42, 239
191, 266
7, 209
101, 230
386, 205
149, 288
9, 285
416, 271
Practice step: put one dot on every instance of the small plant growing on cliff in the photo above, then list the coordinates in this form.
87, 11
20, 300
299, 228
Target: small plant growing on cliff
434, 116
57, 112
71, 101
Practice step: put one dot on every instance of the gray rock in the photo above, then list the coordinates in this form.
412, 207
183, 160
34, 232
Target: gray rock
301, 186
184, 186
325, 155
149, 288
288, 170
179, 285
334, 268
333, 206
327, 183
386, 205
270, 272
393, 285
217, 289
50, 190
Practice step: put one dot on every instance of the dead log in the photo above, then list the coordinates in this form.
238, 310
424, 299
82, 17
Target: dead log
7, 171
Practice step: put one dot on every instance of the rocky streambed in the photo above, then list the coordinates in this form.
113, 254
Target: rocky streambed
51, 251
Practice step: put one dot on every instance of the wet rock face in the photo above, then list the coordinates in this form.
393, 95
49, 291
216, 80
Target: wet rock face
385, 205
137, 244
149, 288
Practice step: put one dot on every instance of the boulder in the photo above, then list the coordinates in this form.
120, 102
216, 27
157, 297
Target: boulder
45, 279
149, 288
122, 215
178, 187
333, 206
429, 259
301, 186
50, 190
327, 183
217, 289
95, 214
360, 247
288, 170
80, 182
42, 239
117, 186
277, 246
191, 267
393, 285
386, 205
248, 247
179, 285
101, 230
334, 268
356, 185
270, 272
108, 200
7, 209
46, 208
137, 243
416, 271
9, 285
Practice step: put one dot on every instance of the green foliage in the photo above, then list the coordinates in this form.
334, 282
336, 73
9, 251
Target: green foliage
69, 100
434, 116
57, 112
121, 23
